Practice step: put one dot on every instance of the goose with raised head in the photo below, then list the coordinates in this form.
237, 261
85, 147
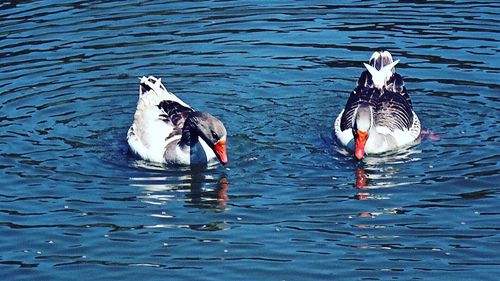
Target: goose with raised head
167, 130
378, 115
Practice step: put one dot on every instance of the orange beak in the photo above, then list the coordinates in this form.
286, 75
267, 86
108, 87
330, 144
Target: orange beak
359, 145
220, 151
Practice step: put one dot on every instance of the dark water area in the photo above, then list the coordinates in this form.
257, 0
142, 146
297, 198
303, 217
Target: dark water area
291, 204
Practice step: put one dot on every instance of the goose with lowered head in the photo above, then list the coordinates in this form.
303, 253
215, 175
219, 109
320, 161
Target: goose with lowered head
378, 115
167, 130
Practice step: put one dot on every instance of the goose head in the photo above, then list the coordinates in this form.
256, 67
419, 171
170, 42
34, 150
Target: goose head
211, 130
362, 123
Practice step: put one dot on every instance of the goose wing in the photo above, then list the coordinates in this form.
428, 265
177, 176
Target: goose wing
358, 96
159, 116
174, 114
396, 84
394, 111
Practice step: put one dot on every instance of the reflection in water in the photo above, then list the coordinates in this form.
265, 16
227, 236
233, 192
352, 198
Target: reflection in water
371, 176
383, 171
222, 191
201, 196
374, 174
185, 187
193, 189
202, 190
361, 179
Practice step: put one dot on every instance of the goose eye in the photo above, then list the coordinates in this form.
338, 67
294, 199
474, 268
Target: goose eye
214, 135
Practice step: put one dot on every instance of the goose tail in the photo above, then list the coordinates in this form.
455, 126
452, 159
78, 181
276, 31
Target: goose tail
152, 92
381, 67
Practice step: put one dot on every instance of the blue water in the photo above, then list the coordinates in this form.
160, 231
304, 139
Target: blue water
291, 205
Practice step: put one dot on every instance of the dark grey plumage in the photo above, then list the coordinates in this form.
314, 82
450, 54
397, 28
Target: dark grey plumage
174, 112
392, 105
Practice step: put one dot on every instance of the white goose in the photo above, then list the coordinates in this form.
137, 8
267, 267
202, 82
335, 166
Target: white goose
378, 115
167, 130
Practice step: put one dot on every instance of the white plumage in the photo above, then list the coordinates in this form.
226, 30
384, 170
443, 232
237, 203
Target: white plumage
167, 130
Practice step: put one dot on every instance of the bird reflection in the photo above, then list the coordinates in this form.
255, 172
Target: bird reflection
202, 197
202, 190
382, 171
361, 179
361, 183
222, 191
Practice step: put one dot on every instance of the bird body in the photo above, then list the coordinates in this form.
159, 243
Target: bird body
167, 130
378, 115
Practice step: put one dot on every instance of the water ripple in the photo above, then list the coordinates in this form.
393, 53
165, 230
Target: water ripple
277, 74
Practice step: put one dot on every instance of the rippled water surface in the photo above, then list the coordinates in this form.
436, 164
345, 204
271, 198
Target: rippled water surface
74, 204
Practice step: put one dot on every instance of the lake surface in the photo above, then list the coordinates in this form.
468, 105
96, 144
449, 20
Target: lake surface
291, 204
